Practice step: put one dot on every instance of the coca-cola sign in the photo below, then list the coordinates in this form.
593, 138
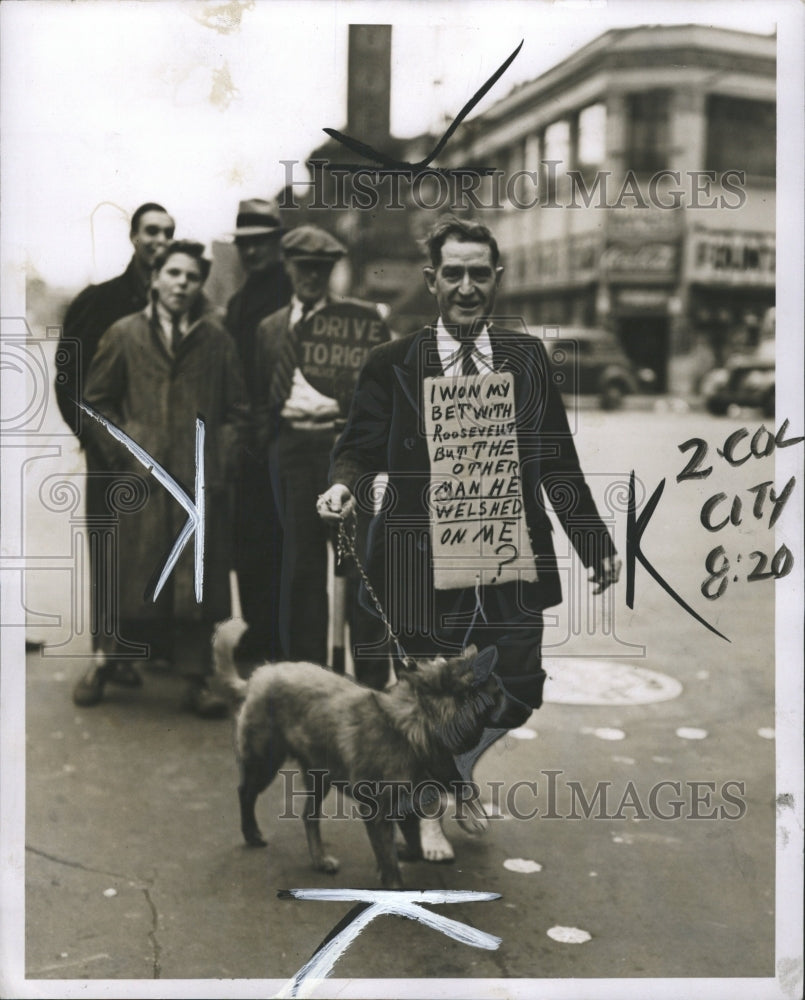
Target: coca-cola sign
643, 258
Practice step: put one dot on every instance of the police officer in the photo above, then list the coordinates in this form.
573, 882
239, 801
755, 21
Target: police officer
297, 426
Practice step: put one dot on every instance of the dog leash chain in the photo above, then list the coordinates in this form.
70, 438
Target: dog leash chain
347, 545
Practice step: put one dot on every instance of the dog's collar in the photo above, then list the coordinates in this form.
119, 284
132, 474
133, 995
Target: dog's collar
510, 714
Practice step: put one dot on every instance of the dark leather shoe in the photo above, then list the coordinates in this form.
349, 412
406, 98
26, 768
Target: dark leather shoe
123, 674
89, 690
199, 699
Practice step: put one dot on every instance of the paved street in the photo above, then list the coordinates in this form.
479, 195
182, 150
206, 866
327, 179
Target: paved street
135, 867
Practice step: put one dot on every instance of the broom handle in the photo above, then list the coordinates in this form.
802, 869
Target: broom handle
234, 595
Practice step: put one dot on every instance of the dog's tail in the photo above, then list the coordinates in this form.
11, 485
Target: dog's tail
225, 638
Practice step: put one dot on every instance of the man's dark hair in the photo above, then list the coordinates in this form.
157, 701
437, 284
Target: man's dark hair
190, 249
449, 227
149, 206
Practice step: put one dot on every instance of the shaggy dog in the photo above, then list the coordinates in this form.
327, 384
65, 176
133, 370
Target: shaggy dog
359, 739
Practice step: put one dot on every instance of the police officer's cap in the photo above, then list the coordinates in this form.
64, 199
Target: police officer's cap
311, 243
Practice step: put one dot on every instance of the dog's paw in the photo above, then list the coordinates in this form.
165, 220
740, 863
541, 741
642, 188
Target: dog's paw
390, 882
254, 839
407, 853
435, 846
475, 826
327, 863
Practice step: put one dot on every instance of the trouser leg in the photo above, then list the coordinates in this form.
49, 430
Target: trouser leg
192, 642
300, 475
370, 642
370, 646
516, 633
258, 558
101, 527
154, 634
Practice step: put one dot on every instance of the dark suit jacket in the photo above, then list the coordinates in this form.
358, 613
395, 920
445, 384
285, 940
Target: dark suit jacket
385, 433
262, 294
89, 315
270, 338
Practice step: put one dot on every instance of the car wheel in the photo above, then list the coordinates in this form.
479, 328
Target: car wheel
611, 396
716, 406
768, 404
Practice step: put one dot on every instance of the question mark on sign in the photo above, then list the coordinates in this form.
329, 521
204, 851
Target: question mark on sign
505, 562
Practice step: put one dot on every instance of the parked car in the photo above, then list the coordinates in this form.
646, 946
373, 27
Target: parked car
590, 361
745, 380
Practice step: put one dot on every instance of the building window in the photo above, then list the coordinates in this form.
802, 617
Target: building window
556, 155
741, 135
648, 142
591, 144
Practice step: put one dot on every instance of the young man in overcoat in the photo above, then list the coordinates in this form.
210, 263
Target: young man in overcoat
154, 373
88, 317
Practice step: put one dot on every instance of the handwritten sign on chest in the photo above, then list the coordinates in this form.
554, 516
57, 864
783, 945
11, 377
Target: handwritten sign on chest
478, 525
333, 345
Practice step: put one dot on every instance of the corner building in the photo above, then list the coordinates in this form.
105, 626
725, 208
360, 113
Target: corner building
635, 190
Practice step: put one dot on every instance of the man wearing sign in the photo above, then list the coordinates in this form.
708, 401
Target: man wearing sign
466, 421
307, 360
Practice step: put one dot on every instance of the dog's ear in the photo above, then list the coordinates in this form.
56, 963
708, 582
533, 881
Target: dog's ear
484, 663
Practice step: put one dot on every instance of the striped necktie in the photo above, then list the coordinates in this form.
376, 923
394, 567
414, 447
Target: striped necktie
468, 366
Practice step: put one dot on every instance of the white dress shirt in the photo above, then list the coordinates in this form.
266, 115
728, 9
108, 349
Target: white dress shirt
304, 402
450, 350
166, 320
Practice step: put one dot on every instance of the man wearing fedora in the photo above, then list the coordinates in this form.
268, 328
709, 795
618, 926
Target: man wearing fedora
297, 426
258, 534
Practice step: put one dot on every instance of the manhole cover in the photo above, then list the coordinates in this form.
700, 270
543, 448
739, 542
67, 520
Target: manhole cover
596, 681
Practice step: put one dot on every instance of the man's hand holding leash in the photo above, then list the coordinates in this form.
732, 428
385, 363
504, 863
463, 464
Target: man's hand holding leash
335, 504
338, 502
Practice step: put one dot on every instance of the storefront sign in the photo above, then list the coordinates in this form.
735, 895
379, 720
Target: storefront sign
645, 223
653, 299
640, 260
733, 258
